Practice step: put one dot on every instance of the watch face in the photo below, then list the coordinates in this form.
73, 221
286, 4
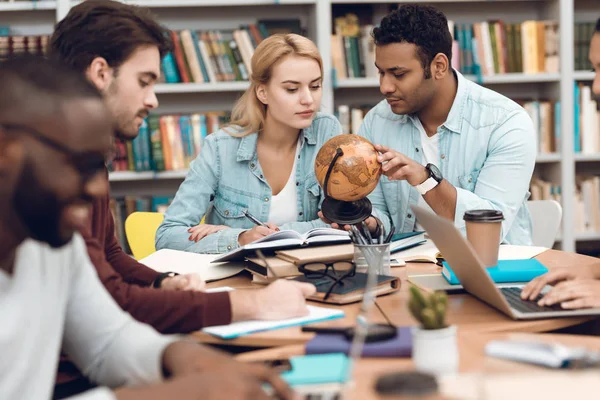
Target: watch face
435, 172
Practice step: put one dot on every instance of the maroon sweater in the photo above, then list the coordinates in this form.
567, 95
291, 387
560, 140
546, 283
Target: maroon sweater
129, 282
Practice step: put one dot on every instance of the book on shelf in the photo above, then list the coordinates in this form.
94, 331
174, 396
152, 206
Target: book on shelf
219, 55
17, 44
545, 115
166, 142
288, 239
587, 120
587, 204
482, 48
582, 33
544, 190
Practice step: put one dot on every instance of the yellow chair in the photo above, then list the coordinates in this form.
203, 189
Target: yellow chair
140, 229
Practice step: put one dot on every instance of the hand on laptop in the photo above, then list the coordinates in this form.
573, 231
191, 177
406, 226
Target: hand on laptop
200, 231
183, 282
556, 275
282, 299
574, 294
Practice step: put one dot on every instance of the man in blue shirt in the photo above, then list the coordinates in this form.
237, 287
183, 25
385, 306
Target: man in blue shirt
446, 142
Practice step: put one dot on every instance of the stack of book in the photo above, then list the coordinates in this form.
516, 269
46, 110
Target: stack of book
545, 115
219, 55
167, 142
12, 44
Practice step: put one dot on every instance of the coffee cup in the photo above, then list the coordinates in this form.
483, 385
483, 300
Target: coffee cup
483, 232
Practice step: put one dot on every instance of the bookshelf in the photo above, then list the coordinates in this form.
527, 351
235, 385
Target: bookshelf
317, 17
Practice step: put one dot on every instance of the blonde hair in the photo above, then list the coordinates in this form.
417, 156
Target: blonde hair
249, 112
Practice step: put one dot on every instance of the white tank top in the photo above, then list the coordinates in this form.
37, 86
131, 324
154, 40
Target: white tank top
284, 205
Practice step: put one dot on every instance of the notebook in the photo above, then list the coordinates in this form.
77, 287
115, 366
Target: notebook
288, 239
352, 290
326, 254
405, 241
281, 267
315, 369
237, 329
184, 262
424, 252
400, 346
506, 271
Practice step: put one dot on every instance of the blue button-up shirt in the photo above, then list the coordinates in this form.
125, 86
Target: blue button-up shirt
228, 172
487, 151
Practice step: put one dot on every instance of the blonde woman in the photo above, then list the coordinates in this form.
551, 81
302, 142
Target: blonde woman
262, 162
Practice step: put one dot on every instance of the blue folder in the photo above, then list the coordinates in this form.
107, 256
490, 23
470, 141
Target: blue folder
315, 369
506, 271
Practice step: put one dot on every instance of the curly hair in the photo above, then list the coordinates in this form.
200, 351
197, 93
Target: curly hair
424, 26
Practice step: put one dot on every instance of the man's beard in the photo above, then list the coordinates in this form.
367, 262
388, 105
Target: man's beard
39, 210
127, 135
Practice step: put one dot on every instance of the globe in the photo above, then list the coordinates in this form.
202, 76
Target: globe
355, 174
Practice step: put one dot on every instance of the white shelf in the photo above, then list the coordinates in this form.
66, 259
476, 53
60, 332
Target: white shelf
129, 176
420, 1
587, 157
489, 80
209, 3
588, 236
583, 75
547, 158
120, 176
172, 174
28, 6
162, 88
517, 78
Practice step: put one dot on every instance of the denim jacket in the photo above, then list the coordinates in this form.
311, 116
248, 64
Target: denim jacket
487, 152
227, 170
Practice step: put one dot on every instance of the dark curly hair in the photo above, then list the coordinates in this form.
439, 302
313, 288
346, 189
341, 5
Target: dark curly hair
108, 29
424, 26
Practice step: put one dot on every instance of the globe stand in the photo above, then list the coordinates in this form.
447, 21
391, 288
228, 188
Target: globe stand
343, 212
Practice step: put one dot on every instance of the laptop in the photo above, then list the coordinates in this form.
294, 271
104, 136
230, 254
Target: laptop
471, 273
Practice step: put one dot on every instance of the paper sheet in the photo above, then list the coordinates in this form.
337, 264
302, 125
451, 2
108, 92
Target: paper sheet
246, 327
512, 252
184, 262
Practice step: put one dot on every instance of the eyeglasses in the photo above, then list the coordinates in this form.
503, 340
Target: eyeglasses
87, 163
334, 273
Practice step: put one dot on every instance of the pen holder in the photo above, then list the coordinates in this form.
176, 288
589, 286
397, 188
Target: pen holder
376, 256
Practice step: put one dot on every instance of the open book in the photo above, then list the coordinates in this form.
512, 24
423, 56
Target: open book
288, 239
425, 252
183, 262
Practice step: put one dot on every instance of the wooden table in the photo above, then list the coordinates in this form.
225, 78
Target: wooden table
472, 359
465, 311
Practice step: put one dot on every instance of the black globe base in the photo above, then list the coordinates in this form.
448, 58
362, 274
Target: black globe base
346, 212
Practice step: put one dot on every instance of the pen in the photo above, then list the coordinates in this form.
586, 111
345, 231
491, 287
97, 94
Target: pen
260, 255
254, 219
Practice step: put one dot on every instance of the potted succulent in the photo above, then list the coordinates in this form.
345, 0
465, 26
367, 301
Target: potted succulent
434, 342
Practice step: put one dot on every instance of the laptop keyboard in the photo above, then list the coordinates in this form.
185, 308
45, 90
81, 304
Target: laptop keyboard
513, 296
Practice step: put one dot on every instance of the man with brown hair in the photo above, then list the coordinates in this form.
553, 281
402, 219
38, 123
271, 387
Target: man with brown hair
119, 47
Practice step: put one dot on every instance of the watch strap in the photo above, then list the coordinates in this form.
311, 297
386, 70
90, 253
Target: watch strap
426, 186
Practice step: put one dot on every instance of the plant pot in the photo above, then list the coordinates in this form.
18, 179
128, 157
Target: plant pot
435, 351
